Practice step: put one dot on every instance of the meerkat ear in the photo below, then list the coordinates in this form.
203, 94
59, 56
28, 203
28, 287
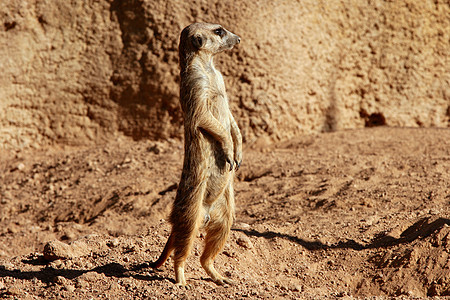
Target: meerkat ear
197, 41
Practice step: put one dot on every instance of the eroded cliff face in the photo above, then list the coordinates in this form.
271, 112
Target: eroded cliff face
80, 72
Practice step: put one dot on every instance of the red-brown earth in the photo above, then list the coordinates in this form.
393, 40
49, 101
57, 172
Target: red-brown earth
346, 214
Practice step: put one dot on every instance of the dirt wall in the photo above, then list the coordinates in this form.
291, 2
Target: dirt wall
80, 72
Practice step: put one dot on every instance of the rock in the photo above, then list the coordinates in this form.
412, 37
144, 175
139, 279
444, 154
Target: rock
56, 264
395, 85
60, 280
229, 253
81, 283
70, 288
244, 241
89, 277
242, 225
154, 149
8, 266
14, 291
113, 243
58, 250
65, 283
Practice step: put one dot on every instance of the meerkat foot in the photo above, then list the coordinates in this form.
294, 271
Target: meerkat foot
180, 280
183, 285
223, 281
228, 281
215, 276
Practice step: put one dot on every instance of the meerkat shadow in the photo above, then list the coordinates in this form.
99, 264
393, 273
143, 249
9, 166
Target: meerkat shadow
145, 271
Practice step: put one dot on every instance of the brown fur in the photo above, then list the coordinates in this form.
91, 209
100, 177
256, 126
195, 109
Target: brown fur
213, 150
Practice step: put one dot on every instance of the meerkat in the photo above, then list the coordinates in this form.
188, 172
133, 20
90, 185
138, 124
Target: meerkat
213, 152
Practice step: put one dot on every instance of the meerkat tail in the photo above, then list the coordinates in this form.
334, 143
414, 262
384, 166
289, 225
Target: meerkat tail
168, 249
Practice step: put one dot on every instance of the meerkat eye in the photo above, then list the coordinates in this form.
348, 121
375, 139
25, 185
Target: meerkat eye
219, 31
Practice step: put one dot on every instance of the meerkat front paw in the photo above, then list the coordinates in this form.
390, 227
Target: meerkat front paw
238, 160
229, 157
230, 162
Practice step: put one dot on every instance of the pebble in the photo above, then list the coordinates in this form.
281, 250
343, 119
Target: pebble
54, 250
154, 149
81, 283
243, 226
229, 253
57, 264
297, 288
7, 195
8, 266
14, 291
245, 242
113, 243
70, 288
60, 280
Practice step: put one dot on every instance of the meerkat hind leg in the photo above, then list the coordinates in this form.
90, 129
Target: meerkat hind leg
179, 263
180, 280
214, 242
217, 232
183, 245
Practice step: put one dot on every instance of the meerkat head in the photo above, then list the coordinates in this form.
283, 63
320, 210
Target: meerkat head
212, 38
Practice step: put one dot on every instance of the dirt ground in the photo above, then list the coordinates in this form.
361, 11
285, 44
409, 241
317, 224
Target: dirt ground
352, 213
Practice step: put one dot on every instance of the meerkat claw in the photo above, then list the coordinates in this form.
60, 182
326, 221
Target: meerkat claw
238, 164
231, 164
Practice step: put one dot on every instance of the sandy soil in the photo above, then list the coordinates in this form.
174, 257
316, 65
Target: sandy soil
346, 214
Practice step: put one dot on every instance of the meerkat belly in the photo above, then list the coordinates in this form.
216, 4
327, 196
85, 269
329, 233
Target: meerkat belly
215, 187
218, 174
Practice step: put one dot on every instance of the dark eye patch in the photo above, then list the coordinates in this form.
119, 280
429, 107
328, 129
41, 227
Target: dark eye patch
219, 31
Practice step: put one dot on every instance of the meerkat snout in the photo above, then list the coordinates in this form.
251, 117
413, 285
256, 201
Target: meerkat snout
233, 40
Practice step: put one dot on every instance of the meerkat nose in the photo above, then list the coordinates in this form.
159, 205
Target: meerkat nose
238, 40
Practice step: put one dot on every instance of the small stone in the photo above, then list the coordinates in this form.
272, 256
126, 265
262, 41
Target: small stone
69, 235
14, 291
81, 283
297, 288
113, 243
8, 266
7, 195
229, 253
20, 167
70, 288
58, 250
154, 149
57, 264
244, 241
60, 280
244, 226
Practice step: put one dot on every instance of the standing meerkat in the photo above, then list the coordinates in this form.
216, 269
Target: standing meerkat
213, 151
